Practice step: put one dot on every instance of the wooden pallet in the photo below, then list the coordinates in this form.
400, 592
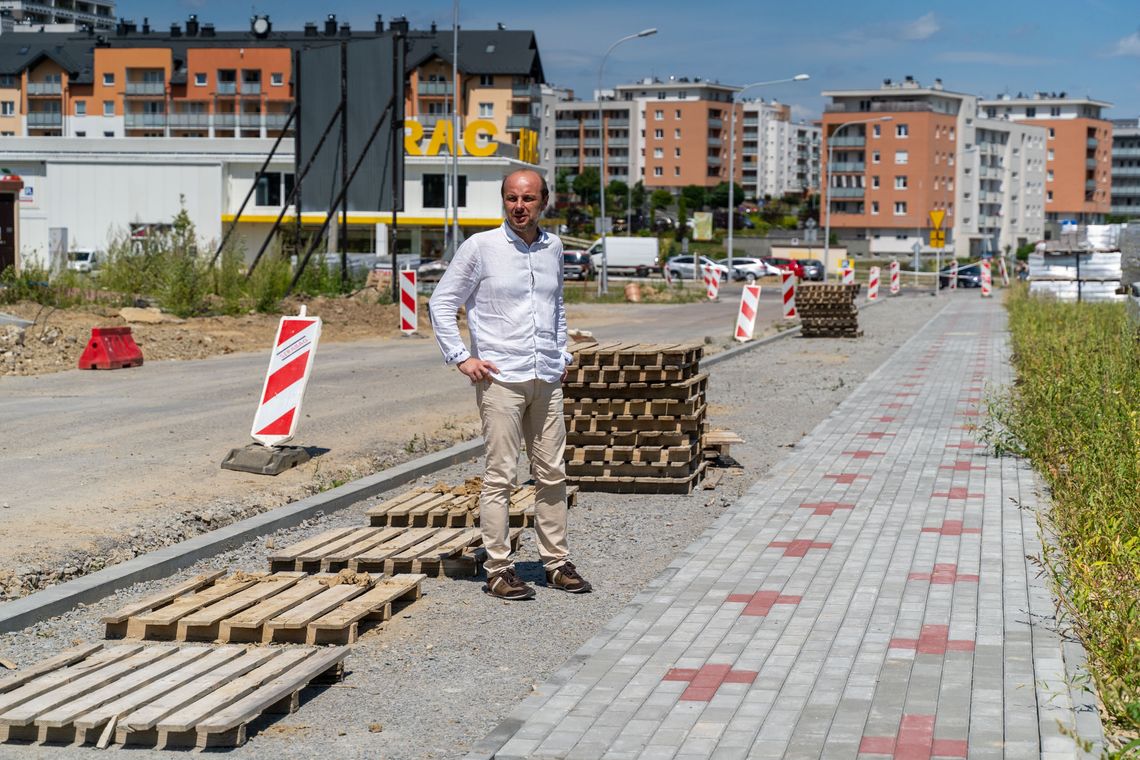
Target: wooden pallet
629, 374
585, 407
630, 438
832, 333
716, 443
161, 696
285, 607
619, 354
579, 470
428, 508
455, 552
644, 454
685, 390
649, 485
616, 423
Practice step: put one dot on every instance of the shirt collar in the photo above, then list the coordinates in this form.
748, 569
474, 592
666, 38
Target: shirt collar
541, 241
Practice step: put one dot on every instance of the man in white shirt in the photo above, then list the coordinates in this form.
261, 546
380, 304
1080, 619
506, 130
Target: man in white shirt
510, 281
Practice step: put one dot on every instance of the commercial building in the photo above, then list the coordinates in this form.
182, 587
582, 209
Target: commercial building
1078, 155
1126, 168
902, 151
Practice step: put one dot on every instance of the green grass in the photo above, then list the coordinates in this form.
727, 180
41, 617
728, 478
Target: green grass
1075, 413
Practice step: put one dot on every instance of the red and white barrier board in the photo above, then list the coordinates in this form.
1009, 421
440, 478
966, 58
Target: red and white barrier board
289, 367
1003, 272
873, 284
848, 276
987, 280
712, 282
894, 277
668, 277
746, 318
788, 291
409, 306
953, 275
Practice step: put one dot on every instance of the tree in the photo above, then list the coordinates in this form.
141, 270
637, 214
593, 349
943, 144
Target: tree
617, 195
586, 185
682, 218
718, 198
562, 182
660, 199
695, 196
639, 195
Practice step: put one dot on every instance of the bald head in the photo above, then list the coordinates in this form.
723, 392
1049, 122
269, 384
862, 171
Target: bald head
524, 199
532, 174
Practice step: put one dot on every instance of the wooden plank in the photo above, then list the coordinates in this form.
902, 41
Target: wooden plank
66, 714
61, 660
158, 600
204, 624
247, 625
308, 611
338, 559
422, 548
341, 621
54, 679
162, 623
292, 552
409, 538
249, 707
92, 721
354, 536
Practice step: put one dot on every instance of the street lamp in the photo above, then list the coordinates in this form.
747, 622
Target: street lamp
603, 278
732, 152
827, 185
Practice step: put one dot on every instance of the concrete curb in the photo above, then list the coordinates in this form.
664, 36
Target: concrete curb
41, 605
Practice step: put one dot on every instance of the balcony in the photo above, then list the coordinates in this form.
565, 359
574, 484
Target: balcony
716, 123
900, 106
250, 120
1124, 171
145, 120
566, 123
847, 192
592, 142
146, 89
225, 120
276, 120
1090, 184
1090, 163
189, 120
435, 88
40, 89
715, 142
713, 161
857, 167
751, 121
590, 124
522, 121
250, 88
566, 160
526, 91
1126, 152
566, 142
617, 142
849, 141
1091, 143
41, 119
615, 122
749, 151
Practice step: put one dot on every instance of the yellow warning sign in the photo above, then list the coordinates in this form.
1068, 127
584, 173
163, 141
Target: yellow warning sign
938, 238
936, 217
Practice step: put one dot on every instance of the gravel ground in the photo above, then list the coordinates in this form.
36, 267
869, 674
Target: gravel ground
446, 669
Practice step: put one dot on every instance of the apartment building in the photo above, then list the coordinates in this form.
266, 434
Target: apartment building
1078, 159
578, 143
777, 156
97, 14
1126, 168
896, 153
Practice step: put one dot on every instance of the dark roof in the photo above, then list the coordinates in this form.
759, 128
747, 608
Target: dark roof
495, 51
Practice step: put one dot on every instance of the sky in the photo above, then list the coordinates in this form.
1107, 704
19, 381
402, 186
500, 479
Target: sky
983, 47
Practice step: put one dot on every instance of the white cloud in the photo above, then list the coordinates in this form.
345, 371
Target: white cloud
922, 28
1129, 45
991, 58
890, 32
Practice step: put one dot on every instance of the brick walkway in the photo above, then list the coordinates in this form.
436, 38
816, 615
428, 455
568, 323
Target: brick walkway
871, 598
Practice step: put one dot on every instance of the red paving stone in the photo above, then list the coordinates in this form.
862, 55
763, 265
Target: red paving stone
760, 603
915, 741
845, 478
965, 445
950, 528
797, 548
970, 400
704, 683
962, 465
883, 419
825, 507
959, 493
877, 435
944, 573
934, 639
896, 405
863, 454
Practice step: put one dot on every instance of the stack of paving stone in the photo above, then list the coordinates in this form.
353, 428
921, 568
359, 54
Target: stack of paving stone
635, 414
828, 311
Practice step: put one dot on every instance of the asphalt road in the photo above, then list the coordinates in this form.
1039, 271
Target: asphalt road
93, 454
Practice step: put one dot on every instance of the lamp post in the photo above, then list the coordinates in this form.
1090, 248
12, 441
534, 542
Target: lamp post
732, 153
603, 277
827, 185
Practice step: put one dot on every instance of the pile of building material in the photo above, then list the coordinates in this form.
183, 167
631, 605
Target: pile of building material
447, 506
1084, 265
828, 311
635, 414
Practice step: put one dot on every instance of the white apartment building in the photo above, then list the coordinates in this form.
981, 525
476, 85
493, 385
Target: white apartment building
98, 14
778, 156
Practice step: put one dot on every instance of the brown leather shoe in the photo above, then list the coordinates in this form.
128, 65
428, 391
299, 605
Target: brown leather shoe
565, 577
505, 584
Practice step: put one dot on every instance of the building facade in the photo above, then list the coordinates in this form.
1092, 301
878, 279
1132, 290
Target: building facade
97, 14
1126, 168
777, 157
895, 154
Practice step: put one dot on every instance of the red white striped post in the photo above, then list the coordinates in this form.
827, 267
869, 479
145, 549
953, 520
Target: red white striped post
954, 275
289, 366
873, 284
894, 277
746, 318
712, 281
409, 306
788, 291
1003, 272
987, 280
668, 277
848, 276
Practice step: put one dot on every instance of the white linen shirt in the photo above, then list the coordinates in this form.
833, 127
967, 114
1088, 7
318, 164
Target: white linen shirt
513, 296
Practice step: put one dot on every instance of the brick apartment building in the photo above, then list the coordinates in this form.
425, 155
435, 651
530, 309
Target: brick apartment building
1126, 168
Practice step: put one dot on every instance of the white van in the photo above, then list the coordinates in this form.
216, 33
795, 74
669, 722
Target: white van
83, 260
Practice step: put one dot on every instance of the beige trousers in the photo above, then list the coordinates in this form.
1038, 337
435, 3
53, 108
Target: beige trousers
513, 413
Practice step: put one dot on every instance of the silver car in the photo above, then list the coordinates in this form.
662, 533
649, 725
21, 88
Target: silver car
751, 269
681, 267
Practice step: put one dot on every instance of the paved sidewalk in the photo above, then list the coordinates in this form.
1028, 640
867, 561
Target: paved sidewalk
871, 598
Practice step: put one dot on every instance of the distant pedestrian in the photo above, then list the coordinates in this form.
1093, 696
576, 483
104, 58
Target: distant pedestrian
510, 281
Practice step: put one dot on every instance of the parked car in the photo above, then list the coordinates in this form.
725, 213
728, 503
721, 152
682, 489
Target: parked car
751, 269
83, 260
681, 267
786, 265
969, 276
577, 265
813, 269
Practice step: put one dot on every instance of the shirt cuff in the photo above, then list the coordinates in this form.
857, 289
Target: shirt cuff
458, 357
567, 358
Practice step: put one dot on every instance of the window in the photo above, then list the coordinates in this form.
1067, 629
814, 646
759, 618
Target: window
991, 112
1049, 195
486, 110
658, 171
875, 208
900, 182
200, 79
7, 80
486, 80
876, 130
108, 108
1049, 176
951, 134
900, 208
658, 134
676, 171
875, 182
80, 108
268, 189
7, 108
874, 156
661, 96
276, 79
1052, 133
659, 153
108, 79
902, 130
108, 134
1054, 110
676, 152
677, 114
1049, 155
676, 134
1030, 112
434, 190
659, 114
81, 134
901, 157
